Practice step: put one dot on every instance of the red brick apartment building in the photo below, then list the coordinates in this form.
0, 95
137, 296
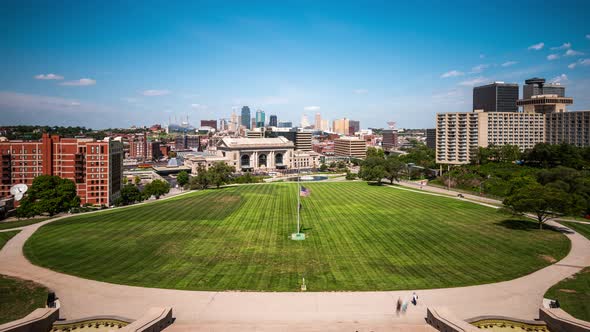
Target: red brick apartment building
95, 166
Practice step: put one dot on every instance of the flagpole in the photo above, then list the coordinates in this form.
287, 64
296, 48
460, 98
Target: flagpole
298, 196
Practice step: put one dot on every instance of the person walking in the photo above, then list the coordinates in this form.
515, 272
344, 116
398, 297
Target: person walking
398, 306
414, 298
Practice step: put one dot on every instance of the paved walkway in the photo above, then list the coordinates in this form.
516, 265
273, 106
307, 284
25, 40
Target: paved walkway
314, 311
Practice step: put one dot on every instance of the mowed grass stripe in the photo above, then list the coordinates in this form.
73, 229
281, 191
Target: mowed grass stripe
359, 237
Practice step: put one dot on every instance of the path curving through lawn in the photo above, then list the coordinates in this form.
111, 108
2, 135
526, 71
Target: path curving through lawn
80, 297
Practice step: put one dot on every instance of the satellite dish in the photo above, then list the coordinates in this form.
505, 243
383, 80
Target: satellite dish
19, 190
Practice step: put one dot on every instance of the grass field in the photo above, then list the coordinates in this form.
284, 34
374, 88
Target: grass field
18, 297
359, 237
20, 223
574, 293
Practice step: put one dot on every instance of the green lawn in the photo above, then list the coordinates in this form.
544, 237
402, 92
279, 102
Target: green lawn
5, 236
18, 297
359, 237
20, 223
574, 293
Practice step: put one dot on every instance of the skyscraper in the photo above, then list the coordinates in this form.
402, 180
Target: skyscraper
318, 122
536, 86
246, 117
341, 126
260, 118
353, 127
273, 121
233, 121
496, 97
304, 121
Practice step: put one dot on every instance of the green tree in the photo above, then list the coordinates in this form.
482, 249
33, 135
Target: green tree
201, 180
394, 168
129, 194
544, 202
350, 175
50, 194
182, 178
137, 180
156, 188
374, 152
373, 169
220, 173
323, 167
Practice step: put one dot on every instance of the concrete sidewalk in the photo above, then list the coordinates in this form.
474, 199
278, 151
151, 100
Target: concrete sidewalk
265, 311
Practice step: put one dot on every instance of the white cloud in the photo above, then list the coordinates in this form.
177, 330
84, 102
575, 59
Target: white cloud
361, 91
34, 103
537, 47
509, 63
473, 82
452, 73
478, 69
311, 108
48, 77
152, 93
199, 107
564, 46
573, 53
581, 62
559, 79
552, 57
80, 82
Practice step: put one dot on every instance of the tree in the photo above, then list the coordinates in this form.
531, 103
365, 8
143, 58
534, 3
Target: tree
156, 188
201, 180
49, 194
542, 201
394, 168
137, 180
373, 169
323, 167
220, 173
182, 178
129, 194
374, 152
350, 175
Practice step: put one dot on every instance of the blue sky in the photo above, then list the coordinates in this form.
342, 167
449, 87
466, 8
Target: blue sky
106, 64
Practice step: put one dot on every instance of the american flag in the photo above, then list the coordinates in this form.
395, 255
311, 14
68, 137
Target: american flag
304, 192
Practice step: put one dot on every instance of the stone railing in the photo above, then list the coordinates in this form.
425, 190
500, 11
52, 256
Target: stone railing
39, 320
154, 320
559, 321
442, 320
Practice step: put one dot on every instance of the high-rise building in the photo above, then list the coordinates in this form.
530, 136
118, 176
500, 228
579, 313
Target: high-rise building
325, 125
545, 120
341, 126
273, 121
536, 86
253, 124
285, 124
96, 167
301, 138
246, 117
318, 122
353, 127
209, 123
233, 122
304, 121
496, 97
350, 147
431, 138
187, 142
389, 139
142, 148
260, 119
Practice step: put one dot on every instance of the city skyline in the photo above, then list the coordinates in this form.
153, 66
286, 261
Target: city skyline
372, 62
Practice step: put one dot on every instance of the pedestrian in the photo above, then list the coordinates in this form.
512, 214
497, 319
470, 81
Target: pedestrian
404, 307
398, 306
414, 298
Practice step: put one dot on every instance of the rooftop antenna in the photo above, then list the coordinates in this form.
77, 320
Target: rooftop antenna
391, 125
